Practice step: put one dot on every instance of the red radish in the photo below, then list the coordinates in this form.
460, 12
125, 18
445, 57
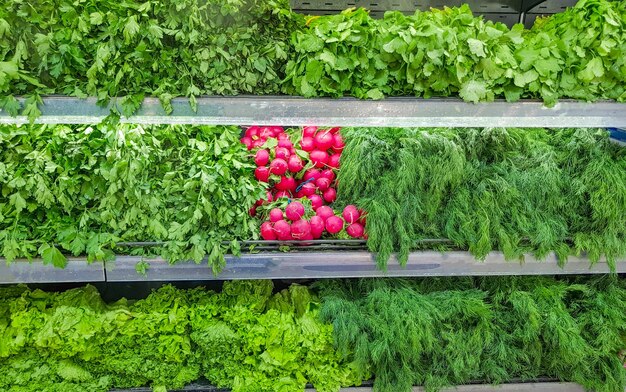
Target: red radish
338, 143
277, 130
328, 173
252, 131
266, 133
307, 144
308, 189
286, 184
317, 226
330, 195
262, 173
247, 142
307, 237
316, 201
292, 151
286, 143
268, 197
262, 157
276, 214
311, 173
324, 212
351, 213
295, 164
322, 183
300, 228
324, 140
278, 166
300, 194
333, 161
282, 153
319, 158
267, 231
281, 136
283, 230
309, 131
280, 194
334, 224
334, 130
257, 143
294, 211
355, 230
252, 211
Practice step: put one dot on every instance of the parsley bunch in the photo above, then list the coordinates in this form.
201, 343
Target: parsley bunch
80, 190
132, 49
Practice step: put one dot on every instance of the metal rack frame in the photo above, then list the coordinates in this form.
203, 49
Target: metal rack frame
296, 111
299, 265
512, 387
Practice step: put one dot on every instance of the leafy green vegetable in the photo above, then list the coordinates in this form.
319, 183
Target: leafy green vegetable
434, 332
443, 332
133, 49
80, 190
171, 48
245, 338
514, 190
578, 54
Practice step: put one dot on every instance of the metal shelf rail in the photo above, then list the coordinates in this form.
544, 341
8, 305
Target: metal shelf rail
76, 271
508, 12
298, 265
296, 111
513, 387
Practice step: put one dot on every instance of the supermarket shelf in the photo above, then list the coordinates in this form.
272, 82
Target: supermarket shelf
296, 265
348, 264
513, 387
77, 270
521, 387
297, 111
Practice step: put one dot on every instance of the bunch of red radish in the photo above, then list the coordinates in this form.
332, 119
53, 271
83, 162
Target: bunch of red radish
295, 223
300, 166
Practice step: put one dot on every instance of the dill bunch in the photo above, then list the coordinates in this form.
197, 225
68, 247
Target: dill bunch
514, 190
451, 331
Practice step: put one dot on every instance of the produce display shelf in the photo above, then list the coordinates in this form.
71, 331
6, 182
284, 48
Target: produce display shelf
76, 271
297, 111
349, 264
297, 265
513, 387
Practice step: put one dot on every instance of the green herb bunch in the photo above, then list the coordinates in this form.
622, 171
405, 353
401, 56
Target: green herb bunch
82, 189
514, 190
451, 331
132, 49
577, 54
